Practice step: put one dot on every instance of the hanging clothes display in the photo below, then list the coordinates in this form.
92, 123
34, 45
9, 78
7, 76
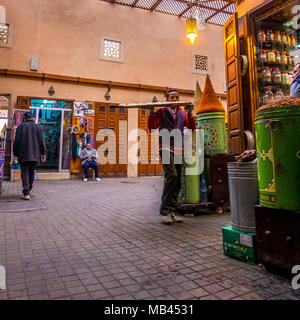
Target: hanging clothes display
74, 146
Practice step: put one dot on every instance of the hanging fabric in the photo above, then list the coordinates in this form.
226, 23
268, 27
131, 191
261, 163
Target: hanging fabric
74, 146
88, 138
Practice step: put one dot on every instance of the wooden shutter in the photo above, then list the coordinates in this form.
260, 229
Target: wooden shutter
233, 81
23, 103
107, 117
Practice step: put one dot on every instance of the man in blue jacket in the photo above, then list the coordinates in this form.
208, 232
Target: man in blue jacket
29, 147
295, 86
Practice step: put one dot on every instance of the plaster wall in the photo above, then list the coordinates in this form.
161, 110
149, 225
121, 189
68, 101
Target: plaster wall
65, 36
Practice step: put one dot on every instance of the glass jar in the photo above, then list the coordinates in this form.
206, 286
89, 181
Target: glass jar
288, 58
293, 41
284, 38
268, 95
284, 59
277, 57
271, 56
285, 78
276, 75
266, 75
270, 35
289, 42
291, 78
292, 61
278, 94
277, 37
262, 55
261, 36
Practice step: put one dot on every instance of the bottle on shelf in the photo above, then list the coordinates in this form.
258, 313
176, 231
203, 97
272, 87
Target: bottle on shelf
289, 42
277, 57
270, 36
284, 38
262, 56
284, 58
271, 56
276, 76
293, 41
266, 75
291, 78
268, 96
277, 37
261, 36
203, 190
292, 61
278, 94
285, 78
288, 57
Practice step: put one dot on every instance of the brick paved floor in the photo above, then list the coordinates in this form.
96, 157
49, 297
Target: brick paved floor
105, 241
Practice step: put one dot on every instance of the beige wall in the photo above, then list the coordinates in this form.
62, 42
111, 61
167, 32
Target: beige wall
65, 36
248, 5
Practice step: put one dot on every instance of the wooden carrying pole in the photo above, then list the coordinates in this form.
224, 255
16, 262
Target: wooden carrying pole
153, 105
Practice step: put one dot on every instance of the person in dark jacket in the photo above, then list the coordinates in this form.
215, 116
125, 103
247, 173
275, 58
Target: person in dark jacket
295, 86
169, 119
29, 147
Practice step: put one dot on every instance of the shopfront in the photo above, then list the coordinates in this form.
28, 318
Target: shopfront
261, 50
55, 119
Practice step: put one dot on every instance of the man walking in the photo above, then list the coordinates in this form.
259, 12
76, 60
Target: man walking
89, 156
29, 147
168, 119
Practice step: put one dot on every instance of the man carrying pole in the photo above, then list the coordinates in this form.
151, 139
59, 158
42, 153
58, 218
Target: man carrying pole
166, 120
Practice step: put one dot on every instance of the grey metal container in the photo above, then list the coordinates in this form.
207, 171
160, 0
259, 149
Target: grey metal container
244, 195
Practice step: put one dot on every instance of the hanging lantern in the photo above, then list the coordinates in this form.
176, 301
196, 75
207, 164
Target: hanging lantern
198, 14
191, 29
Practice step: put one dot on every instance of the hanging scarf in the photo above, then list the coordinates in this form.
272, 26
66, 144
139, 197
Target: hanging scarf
74, 146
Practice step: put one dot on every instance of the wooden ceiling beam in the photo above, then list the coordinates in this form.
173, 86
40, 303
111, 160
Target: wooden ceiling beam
156, 4
183, 12
135, 3
204, 6
214, 14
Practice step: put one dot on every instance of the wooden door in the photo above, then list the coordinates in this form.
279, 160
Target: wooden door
114, 119
233, 81
151, 152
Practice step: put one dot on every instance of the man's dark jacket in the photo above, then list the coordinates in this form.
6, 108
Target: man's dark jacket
29, 144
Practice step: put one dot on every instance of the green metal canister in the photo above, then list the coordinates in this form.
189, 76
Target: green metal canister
215, 137
277, 133
191, 170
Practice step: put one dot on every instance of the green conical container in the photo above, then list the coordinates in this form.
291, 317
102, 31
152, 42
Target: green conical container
215, 136
277, 133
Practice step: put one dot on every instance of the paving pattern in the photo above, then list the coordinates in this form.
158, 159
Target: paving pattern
105, 241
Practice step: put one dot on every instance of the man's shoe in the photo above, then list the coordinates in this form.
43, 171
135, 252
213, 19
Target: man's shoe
176, 218
98, 179
26, 197
85, 180
167, 219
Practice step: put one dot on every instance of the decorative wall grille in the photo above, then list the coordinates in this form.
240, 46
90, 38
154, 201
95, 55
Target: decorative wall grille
4, 29
112, 49
201, 64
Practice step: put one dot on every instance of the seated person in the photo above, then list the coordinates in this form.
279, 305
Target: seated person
88, 155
